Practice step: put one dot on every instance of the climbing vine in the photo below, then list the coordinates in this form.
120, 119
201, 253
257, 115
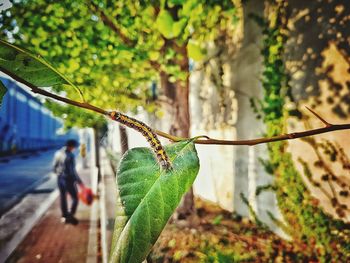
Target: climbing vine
314, 231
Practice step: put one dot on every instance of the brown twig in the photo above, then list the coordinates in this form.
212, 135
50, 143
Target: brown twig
109, 23
45, 93
290, 136
319, 117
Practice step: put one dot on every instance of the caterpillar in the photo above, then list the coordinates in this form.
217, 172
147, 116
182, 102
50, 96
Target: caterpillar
148, 133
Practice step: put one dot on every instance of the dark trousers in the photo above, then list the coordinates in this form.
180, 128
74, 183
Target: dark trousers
68, 186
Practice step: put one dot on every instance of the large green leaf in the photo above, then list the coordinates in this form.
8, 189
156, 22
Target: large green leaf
168, 27
18, 62
148, 195
165, 23
2, 91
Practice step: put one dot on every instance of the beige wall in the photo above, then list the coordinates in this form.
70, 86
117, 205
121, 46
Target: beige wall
318, 61
225, 112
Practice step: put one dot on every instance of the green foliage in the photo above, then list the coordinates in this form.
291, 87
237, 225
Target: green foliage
148, 197
20, 63
3, 91
33, 69
195, 51
306, 223
114, 49
214, 254
76, 117
263, 188
252, 213
167, 26
27, 66
217, 220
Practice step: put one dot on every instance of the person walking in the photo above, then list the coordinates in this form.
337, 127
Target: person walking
68, 178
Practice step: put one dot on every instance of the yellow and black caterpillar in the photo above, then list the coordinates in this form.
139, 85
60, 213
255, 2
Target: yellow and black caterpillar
147, 132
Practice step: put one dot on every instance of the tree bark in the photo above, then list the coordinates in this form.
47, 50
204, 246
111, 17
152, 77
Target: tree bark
97, 150
178, 96
123, 139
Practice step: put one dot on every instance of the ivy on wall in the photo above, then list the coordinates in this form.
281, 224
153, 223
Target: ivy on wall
315, 232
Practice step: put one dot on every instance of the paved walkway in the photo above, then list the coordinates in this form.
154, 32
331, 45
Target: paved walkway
50, 241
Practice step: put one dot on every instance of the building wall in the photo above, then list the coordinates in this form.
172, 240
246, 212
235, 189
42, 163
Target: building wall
25, 123
225, 112
317, 60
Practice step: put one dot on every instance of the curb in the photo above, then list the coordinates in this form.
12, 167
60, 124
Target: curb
93, 243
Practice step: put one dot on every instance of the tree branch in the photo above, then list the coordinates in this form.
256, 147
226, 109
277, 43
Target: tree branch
45, 93
108, 22
289, 136
284, 137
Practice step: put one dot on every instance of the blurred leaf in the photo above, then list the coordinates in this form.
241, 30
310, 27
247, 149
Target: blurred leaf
148, 197
194, 51
179, 26
188, 6
3, 91
165, 23
217, 220
154, 55
176, 2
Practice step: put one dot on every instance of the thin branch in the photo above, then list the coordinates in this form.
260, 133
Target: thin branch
289, 136
108, 22
45, 93
319, 117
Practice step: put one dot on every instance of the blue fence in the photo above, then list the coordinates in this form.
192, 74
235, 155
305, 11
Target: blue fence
25, 123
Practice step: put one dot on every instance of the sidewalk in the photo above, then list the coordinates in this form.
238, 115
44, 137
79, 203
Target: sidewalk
51, 241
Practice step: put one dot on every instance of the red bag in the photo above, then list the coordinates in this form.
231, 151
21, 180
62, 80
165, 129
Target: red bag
86, 195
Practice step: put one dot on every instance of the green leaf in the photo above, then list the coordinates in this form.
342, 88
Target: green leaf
18, 62
188, 6
3, 91
153, 55
148, 196
168, 27
179, 26
176, 2
28, 67
165, 23
194, 51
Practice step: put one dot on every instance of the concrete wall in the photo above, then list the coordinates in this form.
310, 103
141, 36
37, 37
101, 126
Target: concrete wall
225, 112
318, 61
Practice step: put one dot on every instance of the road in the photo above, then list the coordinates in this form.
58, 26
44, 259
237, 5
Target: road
19, 176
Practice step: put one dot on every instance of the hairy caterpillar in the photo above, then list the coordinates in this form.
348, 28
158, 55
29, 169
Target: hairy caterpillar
147, 132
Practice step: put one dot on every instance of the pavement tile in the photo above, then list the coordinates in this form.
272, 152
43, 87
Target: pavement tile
52, 241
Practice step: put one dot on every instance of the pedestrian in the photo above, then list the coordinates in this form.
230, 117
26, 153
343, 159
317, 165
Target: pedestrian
68, 178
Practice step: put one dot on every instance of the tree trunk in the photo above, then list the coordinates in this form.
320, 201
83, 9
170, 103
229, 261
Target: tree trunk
123, 139
178, 108
97, 150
